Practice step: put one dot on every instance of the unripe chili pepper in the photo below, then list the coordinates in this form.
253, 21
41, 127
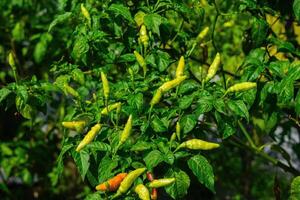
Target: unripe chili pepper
71, 91
111, 107
105, 85
89, 137
172, 84
127, 131
178, 130
156, 98
128, 181
85, 13
213, 67
141, 61
11, 61
142, 191
197, 144
157, 183
239, 87
202, 34
74, 125
144, 39
173, 137
112, 184
180, 67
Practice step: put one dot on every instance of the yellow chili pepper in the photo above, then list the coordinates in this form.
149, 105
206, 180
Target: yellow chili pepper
139, 18
144, 39
197, 144
156, 98
239, 87
172, 84
142, 192
141, 61
178, 130
71, 91
74, 125
105, 85
85, 13
213, 67
202, 34
89, 137
180, 67
111, 107
126, 132
11, 61
157, 183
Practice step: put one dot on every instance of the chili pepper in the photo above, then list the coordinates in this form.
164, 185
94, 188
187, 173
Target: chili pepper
180, 67
178, 130
141, 61
157, 183
239, 87
171, 84
74, 125
89, 137
112, 184
128, 181
156, 98
173, 137
149, 176
139, 18
105, 85
202, 34
71, 90
11, 61
197, 144
126, 132
85, 13
213, 67
142, 191
154, 194
143, 36
111, 107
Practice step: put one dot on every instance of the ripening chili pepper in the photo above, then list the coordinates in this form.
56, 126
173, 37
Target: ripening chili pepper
112, 184
197, 144
141, 61
85, 13
144, 39
71, 90
142, 191
172, 84
149, 176
180, 67
89, 137
74, 125
178, 130
157, 183
105, 85
127, 131
239, 87
213, 67
202, 34
128, 181
111, 107
154, 194
156, 98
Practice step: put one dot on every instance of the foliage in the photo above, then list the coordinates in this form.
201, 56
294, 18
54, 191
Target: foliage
61, 48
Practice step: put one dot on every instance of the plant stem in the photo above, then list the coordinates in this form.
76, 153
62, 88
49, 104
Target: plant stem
247, 135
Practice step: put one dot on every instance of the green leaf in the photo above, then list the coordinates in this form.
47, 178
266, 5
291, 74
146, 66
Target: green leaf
188, 122
296, 8
153, 21
295, 189
158, 125
93, 196
186, 101
153, 159
297, 103
181, 185
202, 170
163, 60
4, 92
239, 108
259, 32
82, 160
59, 20
136, 101
41, 47
80, 48
119, 9
220, 106
18, 32
98, 146
188, 86
106, 167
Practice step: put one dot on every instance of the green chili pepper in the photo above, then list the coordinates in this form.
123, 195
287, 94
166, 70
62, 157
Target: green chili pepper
141, 61
156, 98
197, 144
126, 132
142, 191
111, 107
178, 130
128, 181
161, 182
105, 85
